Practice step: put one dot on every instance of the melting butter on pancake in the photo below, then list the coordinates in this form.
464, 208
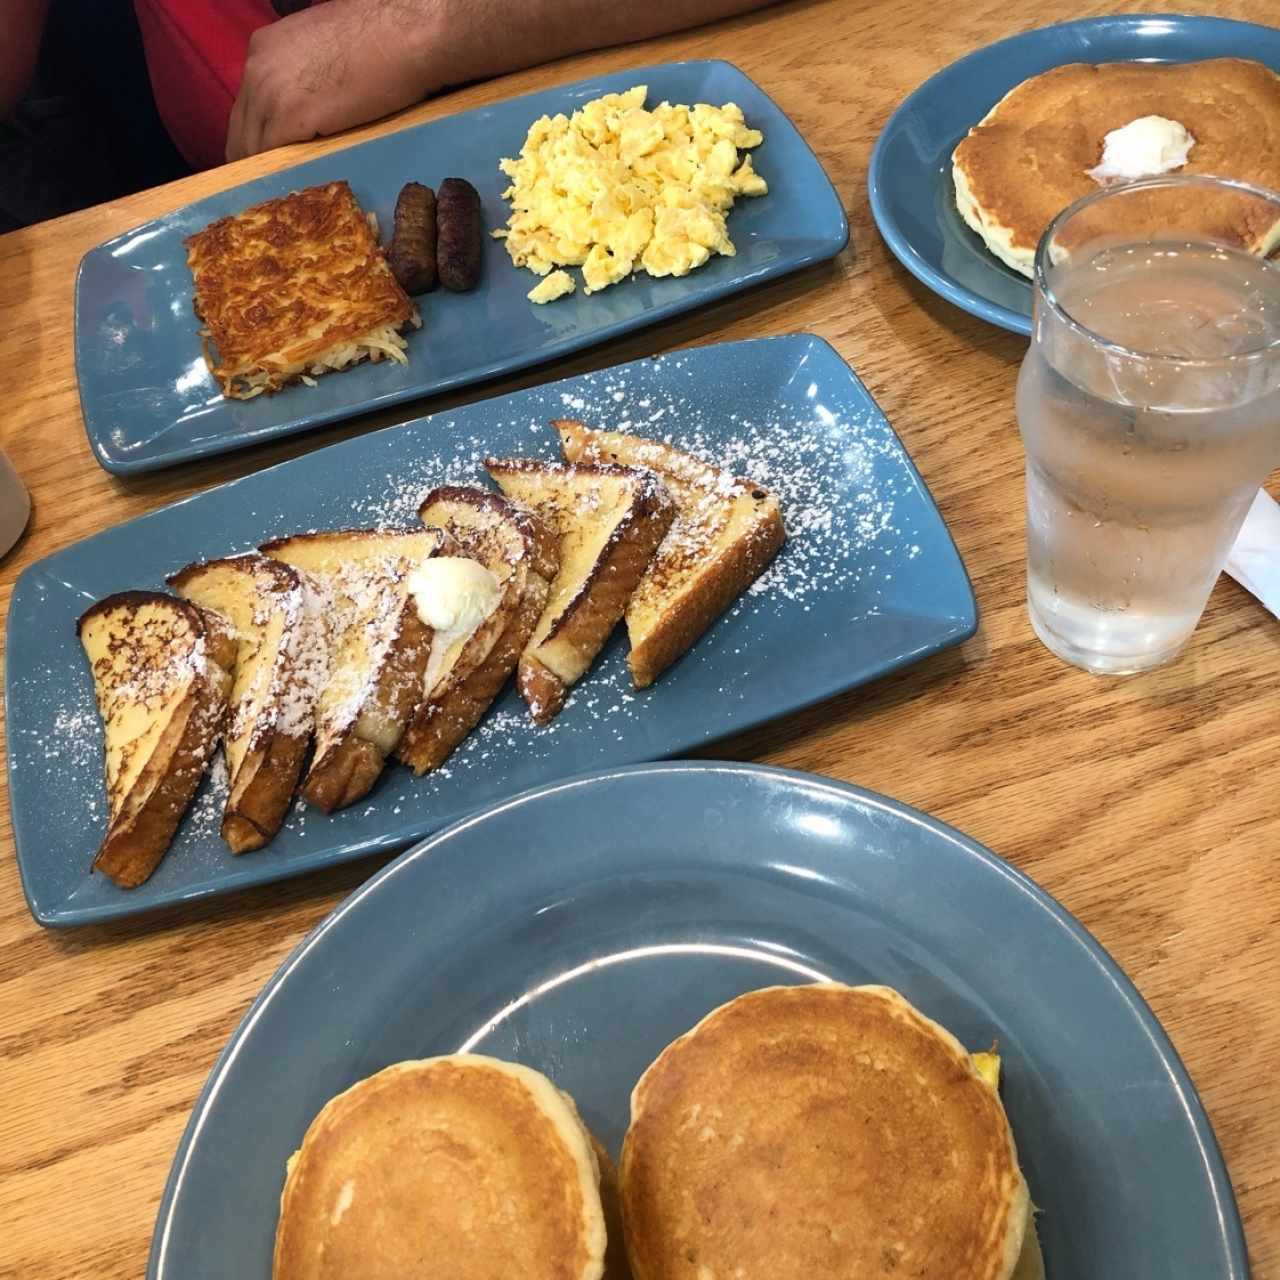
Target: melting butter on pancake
461, 1167
798, 1133
1144, 148
1033, 153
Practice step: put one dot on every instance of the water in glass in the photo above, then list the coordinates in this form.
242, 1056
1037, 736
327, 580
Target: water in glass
1144, 449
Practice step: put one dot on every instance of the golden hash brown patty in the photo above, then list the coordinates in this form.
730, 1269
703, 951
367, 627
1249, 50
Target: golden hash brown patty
294, 286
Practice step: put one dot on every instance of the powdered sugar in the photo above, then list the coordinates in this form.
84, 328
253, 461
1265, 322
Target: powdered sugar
307, 650
282, 654
365, 606
822, 466
163, 655
394, 500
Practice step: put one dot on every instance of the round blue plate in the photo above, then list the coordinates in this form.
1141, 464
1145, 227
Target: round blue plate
580, 927
912, 197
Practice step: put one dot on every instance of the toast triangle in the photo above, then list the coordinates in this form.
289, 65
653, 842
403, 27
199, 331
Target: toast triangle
610, 520
378, 650
281, 663
727, 530
161, 674
462, 683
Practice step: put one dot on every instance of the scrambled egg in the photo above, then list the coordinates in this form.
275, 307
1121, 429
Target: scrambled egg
554, 286
618, 188
988, 1065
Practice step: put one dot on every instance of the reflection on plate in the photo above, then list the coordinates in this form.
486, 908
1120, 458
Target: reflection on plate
909, 181
580, 928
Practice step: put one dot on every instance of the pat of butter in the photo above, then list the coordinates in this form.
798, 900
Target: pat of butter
453, 596
1143, 148
556, 285
987, 1066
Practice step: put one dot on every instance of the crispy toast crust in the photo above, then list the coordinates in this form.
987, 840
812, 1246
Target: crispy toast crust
261, 790
490, 529
349, 765
502, 537
541, 544
131, 851
651, 502
348, 773
585, 621
721, 578
197, 617
261, 808
724, 579
143, 822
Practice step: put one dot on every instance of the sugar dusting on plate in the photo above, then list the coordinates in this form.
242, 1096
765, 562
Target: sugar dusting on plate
72, 749
204, 818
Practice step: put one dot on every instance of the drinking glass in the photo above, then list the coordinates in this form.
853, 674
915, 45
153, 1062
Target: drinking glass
1149, 408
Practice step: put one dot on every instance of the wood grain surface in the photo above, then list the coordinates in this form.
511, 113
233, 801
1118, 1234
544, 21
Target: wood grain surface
1149, 805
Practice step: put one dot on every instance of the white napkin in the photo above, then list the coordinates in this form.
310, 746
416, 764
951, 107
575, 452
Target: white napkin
1254, 561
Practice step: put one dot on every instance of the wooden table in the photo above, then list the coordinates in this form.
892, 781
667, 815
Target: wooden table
1149, 806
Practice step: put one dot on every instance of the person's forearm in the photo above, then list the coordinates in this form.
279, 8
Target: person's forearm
341, 63
463, 40
19, 47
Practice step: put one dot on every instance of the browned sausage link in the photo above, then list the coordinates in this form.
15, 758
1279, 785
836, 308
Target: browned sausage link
413, 244
458, 222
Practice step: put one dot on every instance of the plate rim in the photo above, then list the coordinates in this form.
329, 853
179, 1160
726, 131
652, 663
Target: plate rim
900, 245
112, 461
1213, 1164
60, 915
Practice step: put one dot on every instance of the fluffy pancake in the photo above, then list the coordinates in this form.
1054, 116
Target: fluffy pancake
798, 1133
461, 1167
1029, 157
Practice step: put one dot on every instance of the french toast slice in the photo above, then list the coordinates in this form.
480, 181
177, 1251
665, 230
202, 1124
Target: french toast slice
378, 650
280, 665
610, 519
161, 675
727, 530
463, 680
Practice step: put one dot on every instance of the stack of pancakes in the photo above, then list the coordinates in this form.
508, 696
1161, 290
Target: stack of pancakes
1031, 155
795, 1133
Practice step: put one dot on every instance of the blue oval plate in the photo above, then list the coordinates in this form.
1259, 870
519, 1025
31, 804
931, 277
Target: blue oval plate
912, 196
148, 400
580, 927
868, 580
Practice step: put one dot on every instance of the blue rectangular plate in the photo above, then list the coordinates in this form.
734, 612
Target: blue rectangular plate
869, 580
148, 400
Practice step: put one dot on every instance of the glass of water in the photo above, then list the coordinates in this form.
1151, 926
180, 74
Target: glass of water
1149, 407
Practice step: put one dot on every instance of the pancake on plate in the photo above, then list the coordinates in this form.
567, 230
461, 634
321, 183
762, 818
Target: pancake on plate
1033, 152
293, 288
461, 1167
800, 1133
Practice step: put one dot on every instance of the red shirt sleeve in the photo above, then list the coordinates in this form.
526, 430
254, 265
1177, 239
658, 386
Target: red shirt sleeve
195, 55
